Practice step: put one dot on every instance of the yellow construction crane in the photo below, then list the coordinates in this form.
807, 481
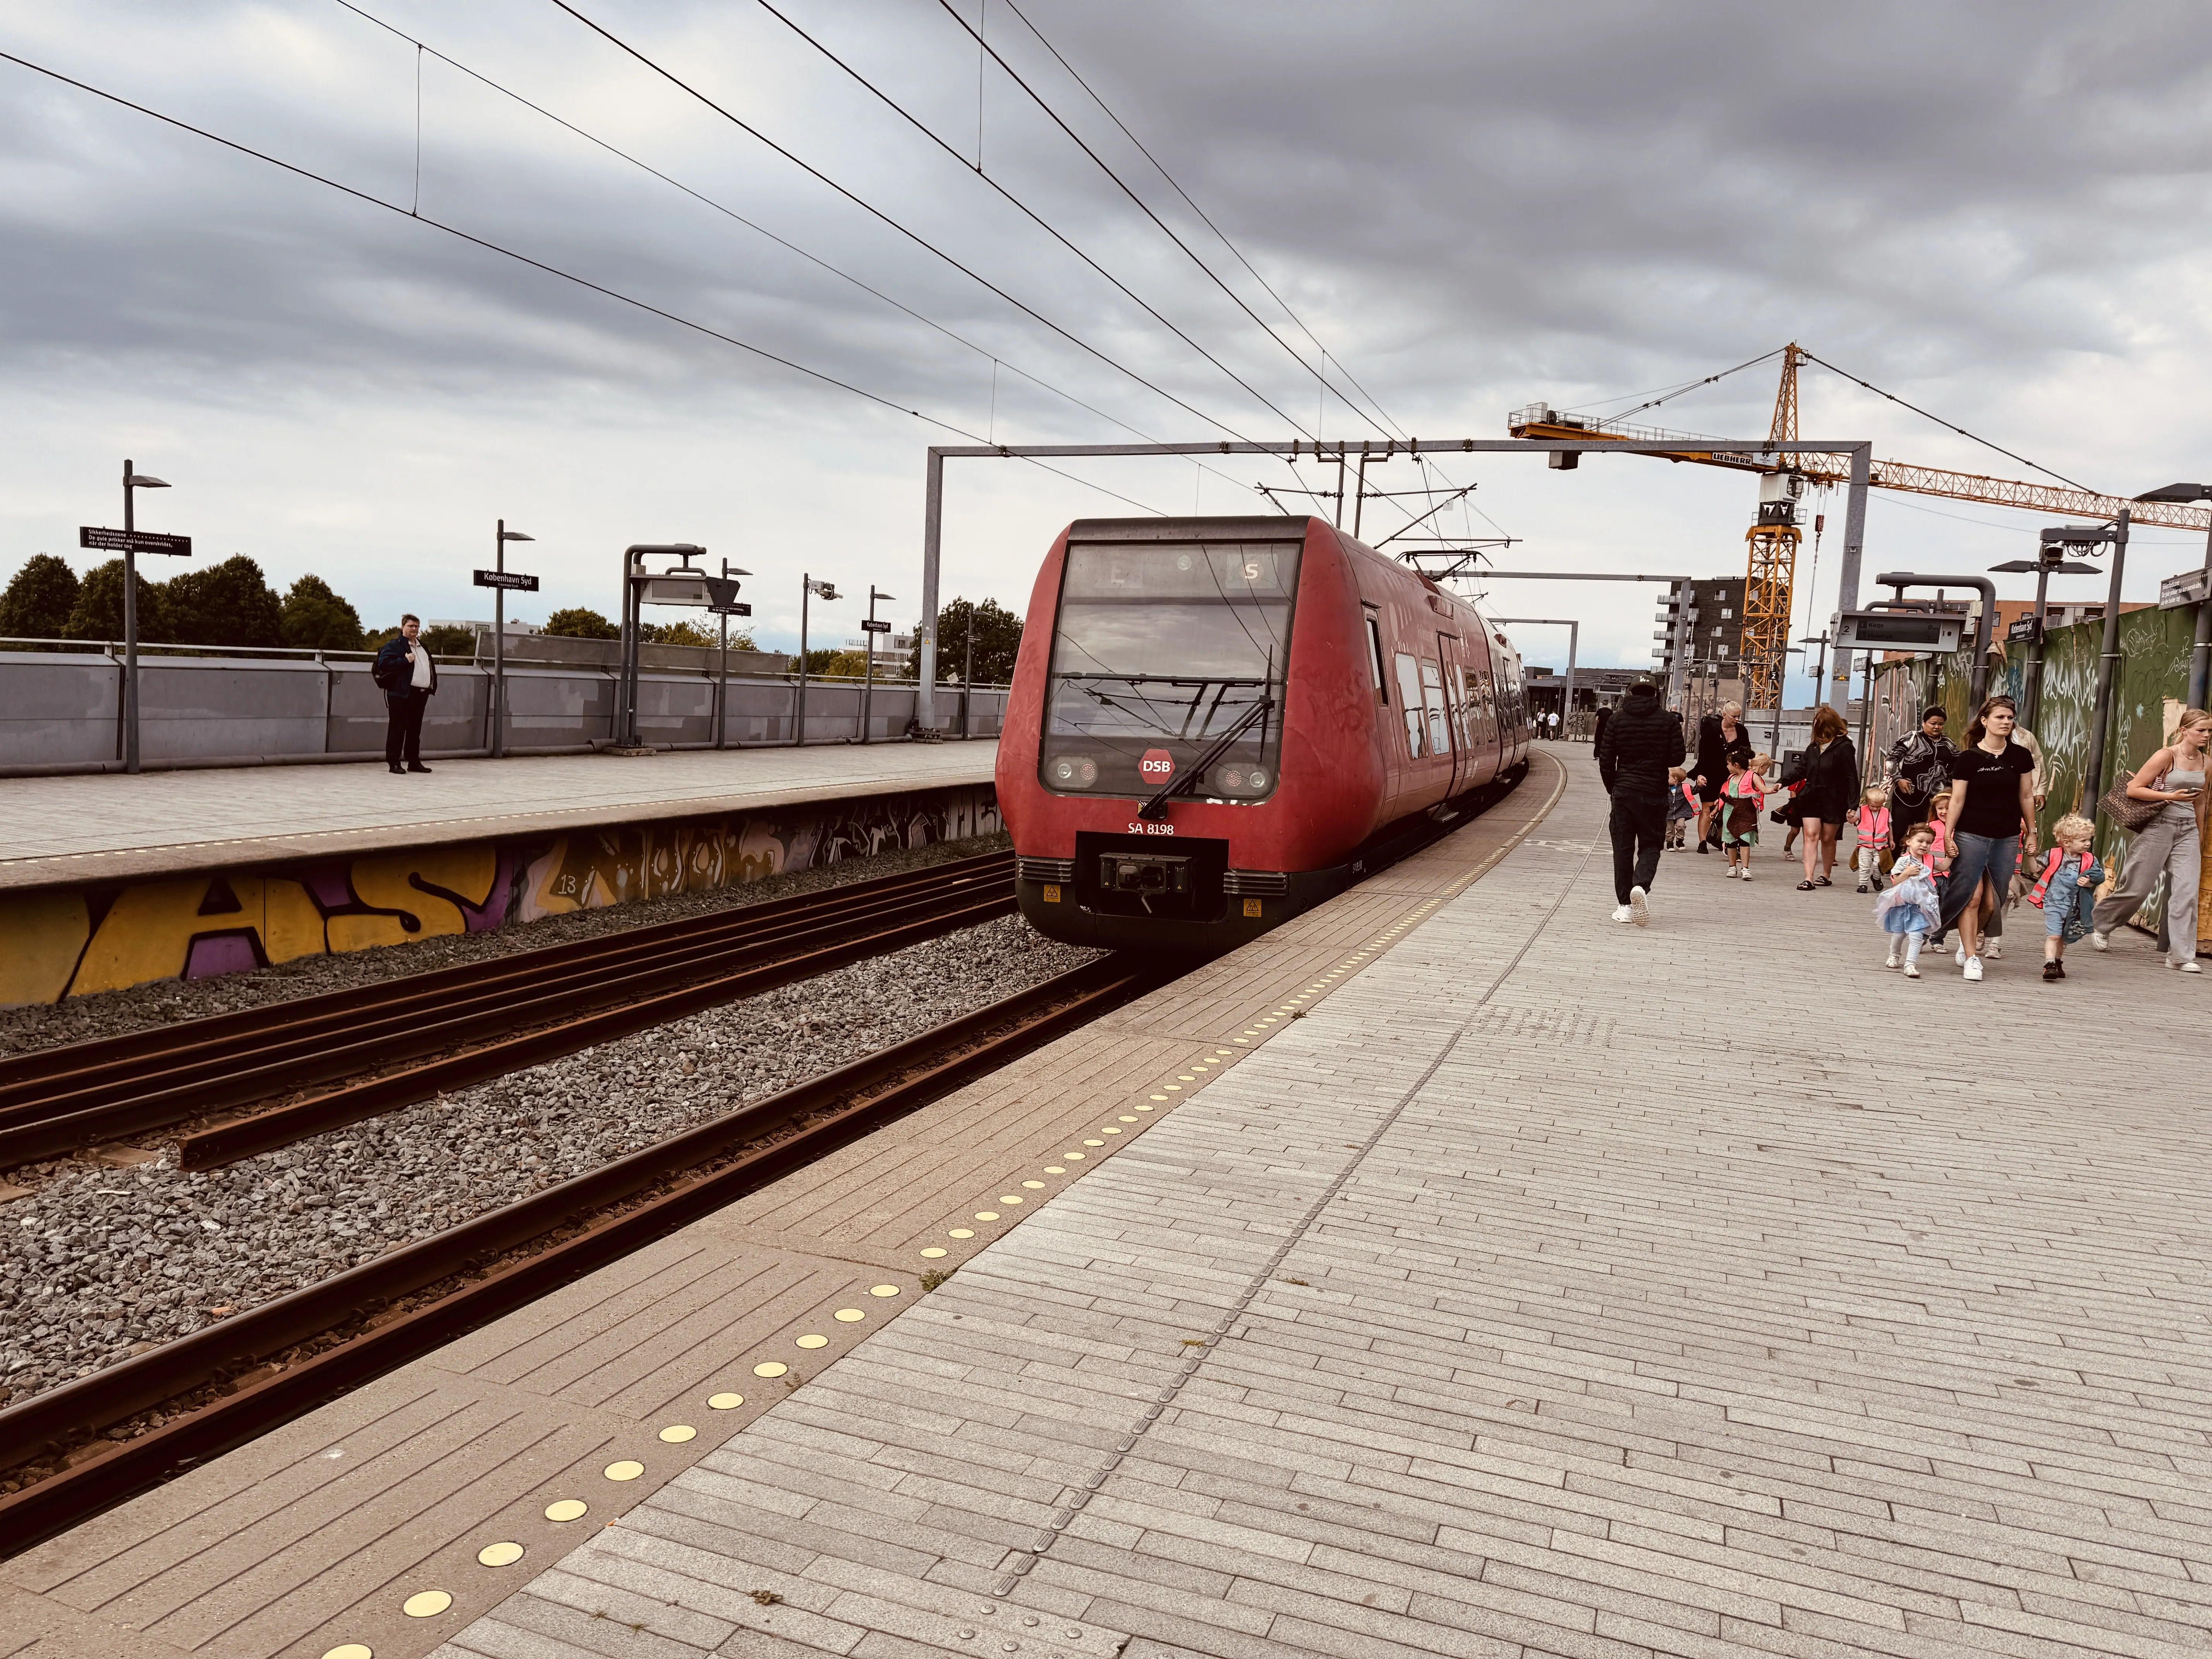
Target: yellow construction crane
1771, 568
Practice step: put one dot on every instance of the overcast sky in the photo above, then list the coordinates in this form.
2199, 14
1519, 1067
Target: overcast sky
1998, 212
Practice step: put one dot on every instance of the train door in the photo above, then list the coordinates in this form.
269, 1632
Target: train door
1449, 666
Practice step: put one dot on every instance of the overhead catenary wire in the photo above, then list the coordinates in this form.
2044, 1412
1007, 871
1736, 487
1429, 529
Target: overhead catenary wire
1143, 207
1382, 416
878, 214
1022, 207
489, 246
790, 246
1947, 425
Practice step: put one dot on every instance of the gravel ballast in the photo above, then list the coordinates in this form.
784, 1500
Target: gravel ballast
111, 1013
99, 1263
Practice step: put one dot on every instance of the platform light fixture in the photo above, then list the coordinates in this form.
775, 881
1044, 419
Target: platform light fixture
809, 588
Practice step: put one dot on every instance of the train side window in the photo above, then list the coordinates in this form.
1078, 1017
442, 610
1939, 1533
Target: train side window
1432, 695
1409, 699
1374, 657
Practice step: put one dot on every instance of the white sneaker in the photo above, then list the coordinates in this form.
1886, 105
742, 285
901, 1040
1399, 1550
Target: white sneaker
1639, 907
1960, 958
1622, 913
2186, 967
1744, 877
1730, 873
1893, 960
1973, 968
1911, 972
2101, 941
1994, 950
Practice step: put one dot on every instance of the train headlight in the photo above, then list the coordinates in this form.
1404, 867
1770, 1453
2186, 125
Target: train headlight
1075, 771
1257, 779
1232, 779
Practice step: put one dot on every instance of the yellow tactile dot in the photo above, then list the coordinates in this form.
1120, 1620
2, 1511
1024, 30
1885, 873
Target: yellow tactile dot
1034, 1186
770, 1368
568, 1508
1009, 1198
1087, 1143
726, 1402
1053, 1168
1172, 1088
1221, 1053
933, 1252
498, 1555
883, 1290
426, 1604
1159, 1097
987, 1215
1109, 1129
848, 1316
1073, 1158
1144, 1108
1126, 1118
677, 1433
811, 1341
1244, 1040
626, 1468
961, 1232
350, 1650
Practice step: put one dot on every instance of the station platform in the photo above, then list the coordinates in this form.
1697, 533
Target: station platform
1453, 1270
65, 830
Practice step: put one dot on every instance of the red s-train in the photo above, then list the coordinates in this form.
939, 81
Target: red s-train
1215, 721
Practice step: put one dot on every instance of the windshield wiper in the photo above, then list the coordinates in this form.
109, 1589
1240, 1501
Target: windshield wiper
1156, 807
1201, 681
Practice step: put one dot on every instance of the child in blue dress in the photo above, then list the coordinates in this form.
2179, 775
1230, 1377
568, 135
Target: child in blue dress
1909, 908
2067, 889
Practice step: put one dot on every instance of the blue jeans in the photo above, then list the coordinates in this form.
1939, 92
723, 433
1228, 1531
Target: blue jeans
1977, 856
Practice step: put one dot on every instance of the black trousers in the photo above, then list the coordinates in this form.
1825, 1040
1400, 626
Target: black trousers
1639, 827
403, 738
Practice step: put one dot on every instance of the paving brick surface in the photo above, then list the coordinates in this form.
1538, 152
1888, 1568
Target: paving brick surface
1536, 1285
317, 1536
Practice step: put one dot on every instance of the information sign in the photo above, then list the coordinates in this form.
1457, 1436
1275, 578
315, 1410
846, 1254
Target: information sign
1899, 630
2023, 631
2188, 588
875, 627
514, 580
132, 541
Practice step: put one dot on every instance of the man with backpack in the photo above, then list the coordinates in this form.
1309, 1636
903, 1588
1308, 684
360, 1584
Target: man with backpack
408, 676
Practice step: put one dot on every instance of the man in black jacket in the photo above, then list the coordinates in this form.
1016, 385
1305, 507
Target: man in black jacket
407, 674
1641, 741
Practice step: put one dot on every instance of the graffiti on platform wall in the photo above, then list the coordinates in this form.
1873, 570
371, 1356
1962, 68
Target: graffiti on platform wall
83, 941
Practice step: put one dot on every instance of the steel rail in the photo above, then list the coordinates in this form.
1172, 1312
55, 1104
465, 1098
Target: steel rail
828, 1112
625, 986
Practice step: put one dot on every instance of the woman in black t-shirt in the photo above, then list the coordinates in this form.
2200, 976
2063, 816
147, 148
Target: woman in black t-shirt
1992, 818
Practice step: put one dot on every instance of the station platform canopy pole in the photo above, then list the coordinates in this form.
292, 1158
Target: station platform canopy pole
1861, 452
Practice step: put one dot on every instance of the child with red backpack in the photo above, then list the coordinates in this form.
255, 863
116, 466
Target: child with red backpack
2066, 892
1871, 857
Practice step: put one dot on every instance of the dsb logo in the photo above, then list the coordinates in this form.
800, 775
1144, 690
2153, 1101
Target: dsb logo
1158, 766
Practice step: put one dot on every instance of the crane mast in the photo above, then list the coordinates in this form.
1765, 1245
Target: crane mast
1771, 565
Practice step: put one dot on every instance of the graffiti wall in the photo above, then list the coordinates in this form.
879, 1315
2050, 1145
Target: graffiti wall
80, 941
2151, 679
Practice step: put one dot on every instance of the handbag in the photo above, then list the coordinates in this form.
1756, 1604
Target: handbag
2124, 809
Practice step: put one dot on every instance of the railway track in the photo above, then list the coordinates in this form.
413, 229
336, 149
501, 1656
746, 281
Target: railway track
390, 1045
92, 1443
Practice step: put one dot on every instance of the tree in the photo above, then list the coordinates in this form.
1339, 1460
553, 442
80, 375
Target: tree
39, 599
227, 603
450, 641
831, 660
679, 633
998, 640
578, 623
317, 619
98, 612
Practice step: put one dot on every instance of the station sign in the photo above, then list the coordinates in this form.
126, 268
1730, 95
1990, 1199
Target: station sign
875, 627
2023, 632
1899, 630
1155, 766
2189, 588
512, 581
132, 541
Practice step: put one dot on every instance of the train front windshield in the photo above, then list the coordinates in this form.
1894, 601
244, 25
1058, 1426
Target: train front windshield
1159, 651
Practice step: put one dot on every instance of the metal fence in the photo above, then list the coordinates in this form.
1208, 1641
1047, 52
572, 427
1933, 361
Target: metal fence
61, 707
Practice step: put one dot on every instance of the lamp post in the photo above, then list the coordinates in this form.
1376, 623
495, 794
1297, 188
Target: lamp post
808, 587
133, 481
498, 638
868, 632
2200, 653
2108, 661
722, 687
2050, 561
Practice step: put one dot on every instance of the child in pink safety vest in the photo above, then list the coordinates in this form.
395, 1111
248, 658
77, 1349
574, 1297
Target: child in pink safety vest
1872, 857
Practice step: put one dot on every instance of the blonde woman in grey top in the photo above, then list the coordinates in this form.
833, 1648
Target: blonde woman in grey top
2173, 842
